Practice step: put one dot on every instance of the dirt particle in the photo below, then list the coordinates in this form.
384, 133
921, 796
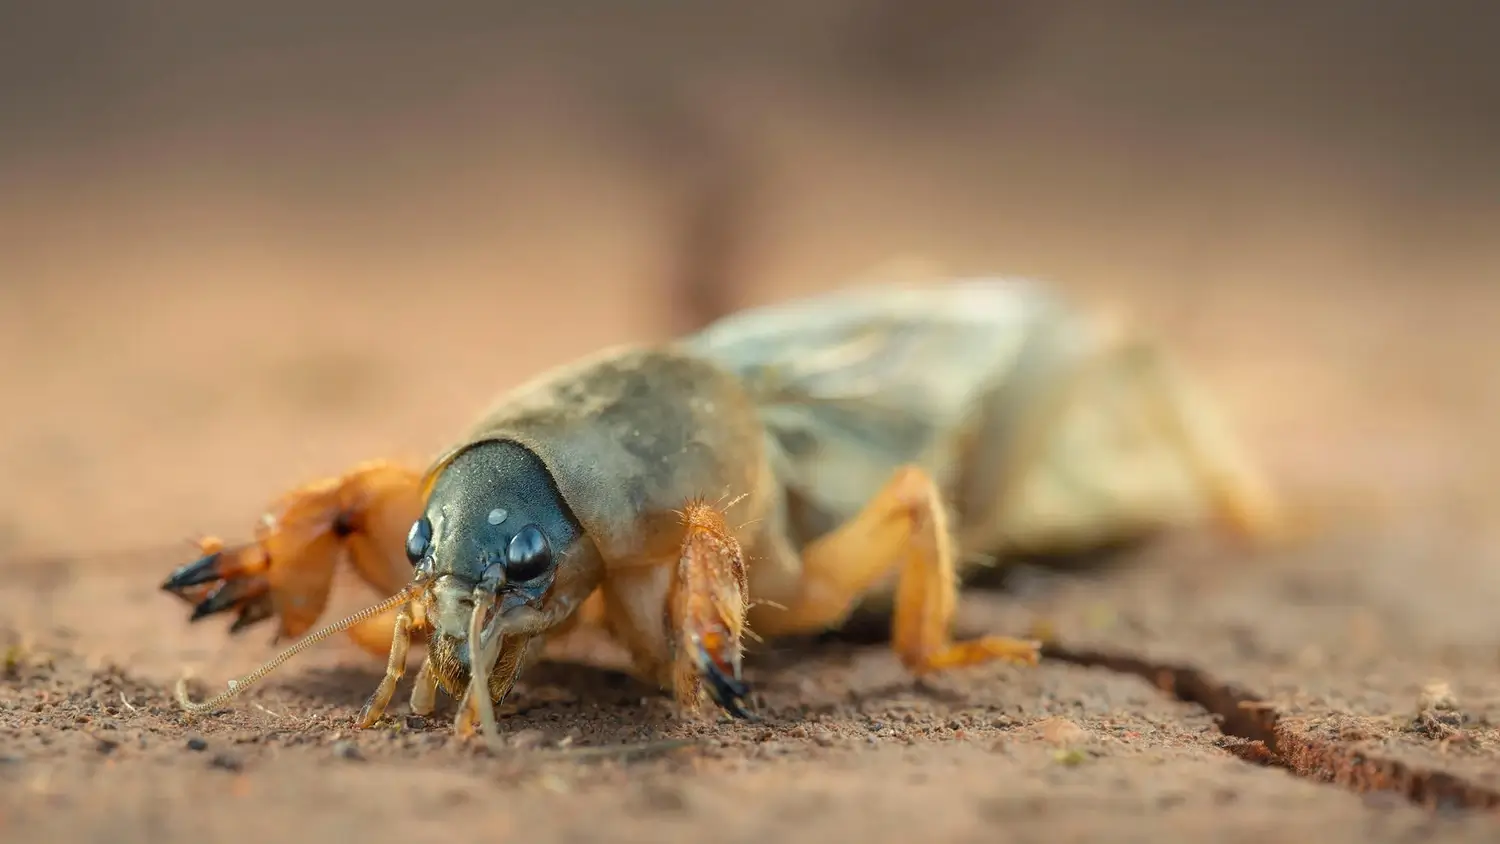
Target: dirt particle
527, 739
197, 743
1437, 696
1439, 715
823, 737
106, 746
15, 657
554, 784
1254, 752
347, 750
226, 762
664, 798
1062, 732
1352, 732
1069, 758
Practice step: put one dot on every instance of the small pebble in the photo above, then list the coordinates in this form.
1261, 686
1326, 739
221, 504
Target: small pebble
554, 783
196, 743
1062, 732
1437, 695
525, 739
347, 750
1069, 758
665, 798
106, 746
226, 762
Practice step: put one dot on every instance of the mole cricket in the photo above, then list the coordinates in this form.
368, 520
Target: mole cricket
766, 476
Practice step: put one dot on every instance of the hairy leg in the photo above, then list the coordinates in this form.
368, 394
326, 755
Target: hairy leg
706, 613
286, 572
903, 530
395, 668
681, 619
424, 690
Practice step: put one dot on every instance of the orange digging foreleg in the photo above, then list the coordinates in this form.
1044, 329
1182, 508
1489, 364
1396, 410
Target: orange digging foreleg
706, 613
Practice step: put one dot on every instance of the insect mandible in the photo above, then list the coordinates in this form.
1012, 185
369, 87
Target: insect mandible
772, 473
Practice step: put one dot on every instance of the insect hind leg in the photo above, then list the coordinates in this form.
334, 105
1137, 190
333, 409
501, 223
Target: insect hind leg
1240, 494
902, 530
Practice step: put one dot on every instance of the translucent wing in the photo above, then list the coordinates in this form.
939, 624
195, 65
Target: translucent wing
853, 383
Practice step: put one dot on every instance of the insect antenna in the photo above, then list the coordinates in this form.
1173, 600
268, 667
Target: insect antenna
237, 687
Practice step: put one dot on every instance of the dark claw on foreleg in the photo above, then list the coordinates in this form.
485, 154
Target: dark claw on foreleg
224, 580
726, 690
192, 581
253, 611
203, 570
231, 594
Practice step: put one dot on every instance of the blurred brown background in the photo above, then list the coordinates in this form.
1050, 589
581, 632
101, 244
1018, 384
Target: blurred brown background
245, 245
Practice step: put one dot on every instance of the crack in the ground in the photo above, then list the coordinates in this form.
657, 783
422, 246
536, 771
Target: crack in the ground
1271, 741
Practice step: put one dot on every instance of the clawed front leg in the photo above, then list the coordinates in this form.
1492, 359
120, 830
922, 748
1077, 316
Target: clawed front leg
706, 613
287, 571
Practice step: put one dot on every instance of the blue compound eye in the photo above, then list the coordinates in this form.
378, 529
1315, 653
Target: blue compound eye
418, 540
529, 556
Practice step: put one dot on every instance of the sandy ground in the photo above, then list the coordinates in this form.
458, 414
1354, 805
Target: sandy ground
196, 317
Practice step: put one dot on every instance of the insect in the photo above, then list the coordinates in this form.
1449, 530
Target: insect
767, 476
